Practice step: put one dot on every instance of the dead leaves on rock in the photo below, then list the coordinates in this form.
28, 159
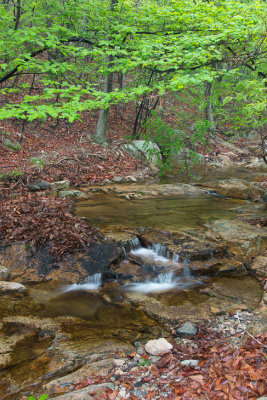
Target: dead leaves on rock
42, 221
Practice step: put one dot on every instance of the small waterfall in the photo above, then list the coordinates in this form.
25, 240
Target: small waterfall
124, 252
175, 258
134, 243
161, 250
162, 283
93, 283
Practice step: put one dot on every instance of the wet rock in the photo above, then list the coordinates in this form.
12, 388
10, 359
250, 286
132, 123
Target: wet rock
220, 266
189, 246
259, 265
158, 347
4, 273
35, 186
73, 193
11, 287
243, 240
60, 185
40, 266
235, 188
187, 330
190, 363
265, 197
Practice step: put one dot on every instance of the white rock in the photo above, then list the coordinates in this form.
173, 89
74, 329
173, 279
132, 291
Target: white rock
189, 363
158, 347
11, 287
118, 362
4, 273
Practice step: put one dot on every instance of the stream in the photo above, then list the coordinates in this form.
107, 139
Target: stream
170, 270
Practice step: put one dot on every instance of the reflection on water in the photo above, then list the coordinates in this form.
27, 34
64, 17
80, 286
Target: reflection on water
107, 211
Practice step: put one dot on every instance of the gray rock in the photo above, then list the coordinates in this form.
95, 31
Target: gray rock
188, 330
11, 287
60, 185
118, 179
38, 185
140, 393
189, 363
73, 193
144, 151
4, 273
265, 197
262, 398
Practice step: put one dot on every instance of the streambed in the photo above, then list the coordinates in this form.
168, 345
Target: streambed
175, 271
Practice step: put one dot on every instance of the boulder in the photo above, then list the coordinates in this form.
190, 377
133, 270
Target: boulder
235, 188
11, 287
4, 273
158, 347
60, 185
35, 186
187, 330
145, 151
73, 193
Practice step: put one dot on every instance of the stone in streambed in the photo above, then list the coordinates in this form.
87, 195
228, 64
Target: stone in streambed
11, 287
187, 331
4, 273
158, 347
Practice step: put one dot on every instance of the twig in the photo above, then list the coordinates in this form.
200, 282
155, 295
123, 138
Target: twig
245, 331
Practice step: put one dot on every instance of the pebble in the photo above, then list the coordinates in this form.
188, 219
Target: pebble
187, 330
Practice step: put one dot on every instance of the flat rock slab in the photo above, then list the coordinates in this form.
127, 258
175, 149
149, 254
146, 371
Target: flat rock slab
138, 191
235, 188
84, 394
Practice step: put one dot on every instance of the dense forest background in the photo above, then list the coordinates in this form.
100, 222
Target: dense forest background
64, 62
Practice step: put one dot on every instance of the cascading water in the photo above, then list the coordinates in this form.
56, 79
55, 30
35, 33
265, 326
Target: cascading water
93, 282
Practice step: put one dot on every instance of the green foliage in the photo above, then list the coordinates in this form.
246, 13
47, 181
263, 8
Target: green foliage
143, 362
42, 397
11, 176
37, 161
172, 142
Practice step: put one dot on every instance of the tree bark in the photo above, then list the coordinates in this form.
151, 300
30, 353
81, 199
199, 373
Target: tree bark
100, 136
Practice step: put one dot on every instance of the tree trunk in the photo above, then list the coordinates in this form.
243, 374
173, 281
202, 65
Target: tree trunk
102, 123
208, 108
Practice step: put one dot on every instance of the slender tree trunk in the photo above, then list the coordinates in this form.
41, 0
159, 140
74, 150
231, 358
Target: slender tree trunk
208, 108
102, 123
100, 136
